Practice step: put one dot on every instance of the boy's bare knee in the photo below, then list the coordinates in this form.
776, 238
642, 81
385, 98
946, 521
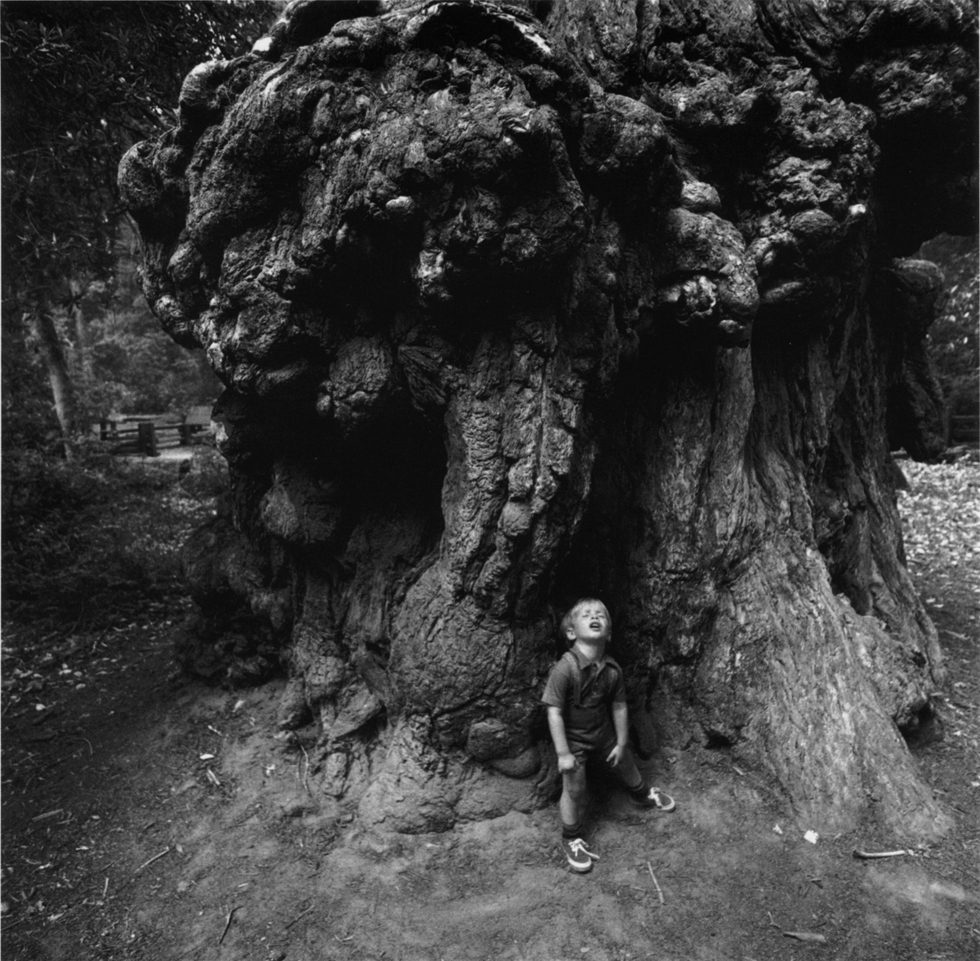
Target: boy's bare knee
573, 784
576, 795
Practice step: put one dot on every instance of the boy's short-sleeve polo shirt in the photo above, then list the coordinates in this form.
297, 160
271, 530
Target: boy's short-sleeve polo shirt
588, 721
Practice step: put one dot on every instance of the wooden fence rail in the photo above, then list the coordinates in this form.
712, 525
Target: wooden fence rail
149, 434
963, 429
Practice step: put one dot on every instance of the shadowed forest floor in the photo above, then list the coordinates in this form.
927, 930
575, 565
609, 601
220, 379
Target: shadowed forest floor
148, 817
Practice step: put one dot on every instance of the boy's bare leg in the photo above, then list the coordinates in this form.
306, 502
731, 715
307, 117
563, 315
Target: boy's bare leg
572, 807
639, 787
574, 798
628, 772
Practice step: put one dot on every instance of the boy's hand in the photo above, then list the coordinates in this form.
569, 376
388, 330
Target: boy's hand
616, 755
567, 762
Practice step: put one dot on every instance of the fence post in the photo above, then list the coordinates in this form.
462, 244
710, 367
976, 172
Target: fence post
147, 439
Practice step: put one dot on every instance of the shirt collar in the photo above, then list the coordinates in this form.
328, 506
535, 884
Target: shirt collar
583, 662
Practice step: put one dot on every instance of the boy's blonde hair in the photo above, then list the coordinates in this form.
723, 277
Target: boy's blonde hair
566, 621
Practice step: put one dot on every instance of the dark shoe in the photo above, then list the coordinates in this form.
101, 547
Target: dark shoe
579, 856
652, 798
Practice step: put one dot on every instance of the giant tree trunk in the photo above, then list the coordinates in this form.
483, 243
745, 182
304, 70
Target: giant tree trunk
601, 300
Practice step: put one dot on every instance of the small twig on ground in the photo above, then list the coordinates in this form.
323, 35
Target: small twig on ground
78, 737
299, 916
213, 778
306, 772
47, 814
156, 857
660, 893
873, 855
105, 889
797, 935
806, 936
231, 914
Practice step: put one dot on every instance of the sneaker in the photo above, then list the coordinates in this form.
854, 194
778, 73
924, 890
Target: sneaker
652, 798
579, 856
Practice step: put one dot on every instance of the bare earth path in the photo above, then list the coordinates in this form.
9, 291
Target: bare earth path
148, 818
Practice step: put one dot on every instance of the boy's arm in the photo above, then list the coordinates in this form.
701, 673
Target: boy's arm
620, 717
556, 725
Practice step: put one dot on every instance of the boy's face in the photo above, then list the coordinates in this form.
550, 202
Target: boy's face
589, 622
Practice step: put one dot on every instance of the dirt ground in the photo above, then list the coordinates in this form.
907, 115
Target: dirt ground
147, 817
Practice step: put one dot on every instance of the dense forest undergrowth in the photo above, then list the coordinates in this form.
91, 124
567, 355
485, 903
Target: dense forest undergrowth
147, 816
90, 542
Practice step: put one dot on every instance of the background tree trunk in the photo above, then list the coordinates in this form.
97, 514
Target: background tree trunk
79, 323
62, 389
600, 300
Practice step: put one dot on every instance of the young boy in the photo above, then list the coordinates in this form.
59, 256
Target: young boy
586, 703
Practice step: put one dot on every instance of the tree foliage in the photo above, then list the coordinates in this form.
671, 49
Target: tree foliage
129, 364
954, 344
89, 541
81, 83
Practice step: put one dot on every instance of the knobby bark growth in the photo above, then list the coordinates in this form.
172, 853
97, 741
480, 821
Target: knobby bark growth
608, 298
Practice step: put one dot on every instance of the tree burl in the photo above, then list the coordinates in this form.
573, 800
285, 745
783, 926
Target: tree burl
515, 303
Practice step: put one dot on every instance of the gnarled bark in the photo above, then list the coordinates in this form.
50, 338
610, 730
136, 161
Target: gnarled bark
602, 300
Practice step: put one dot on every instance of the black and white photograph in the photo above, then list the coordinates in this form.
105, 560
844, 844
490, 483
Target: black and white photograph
490, 480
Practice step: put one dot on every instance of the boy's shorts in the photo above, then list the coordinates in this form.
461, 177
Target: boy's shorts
595, 749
